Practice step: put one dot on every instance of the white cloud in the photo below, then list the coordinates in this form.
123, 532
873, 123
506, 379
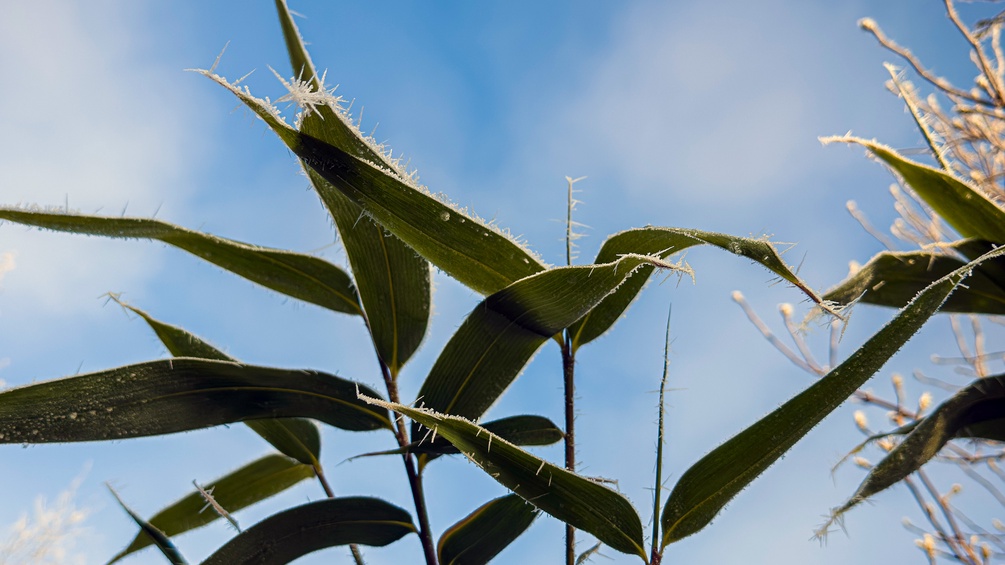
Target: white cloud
712, 106
87, 122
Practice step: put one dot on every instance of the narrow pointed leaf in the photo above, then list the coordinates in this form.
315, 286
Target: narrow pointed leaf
296, 532
176, 395
295, 437
252, 483
705, 488
301, 276
894, 278
980, 405
481, 535
585, 504
518, 430
457, 243
664, 242
962, 205
502, 333
156, 537
392, 280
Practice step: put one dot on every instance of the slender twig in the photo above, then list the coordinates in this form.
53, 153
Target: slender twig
958, 537
569, 382
414, 479
871, 26
569, 375
655, 555
995, 88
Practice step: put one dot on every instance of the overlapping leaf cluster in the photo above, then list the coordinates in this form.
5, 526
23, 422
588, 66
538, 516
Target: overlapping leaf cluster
393, 232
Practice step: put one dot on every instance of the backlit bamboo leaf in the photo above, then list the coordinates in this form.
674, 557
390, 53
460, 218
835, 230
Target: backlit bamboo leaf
301, 276
296, 532
457, 243
176, 395
963, 206
392, 280
980, 405
481, 535
585, 504
502, 333
664, 242
894, 278
156, 537
518, 430
705, 488
252, 483
295, 437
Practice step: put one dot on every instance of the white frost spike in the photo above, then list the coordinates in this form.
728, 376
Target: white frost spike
304, 95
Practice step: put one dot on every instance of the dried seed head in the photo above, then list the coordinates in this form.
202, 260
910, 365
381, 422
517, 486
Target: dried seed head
925, 401
860, 420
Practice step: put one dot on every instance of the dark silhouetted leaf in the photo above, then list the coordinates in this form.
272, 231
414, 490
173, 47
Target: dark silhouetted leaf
964, 207
581, 502
664, 242
393, 281
705, 488
293, 533
155, 536
295, 437
252, 483
459, 244
502, 333
975, 411
894, 278
481, 535
176, 395
304, 277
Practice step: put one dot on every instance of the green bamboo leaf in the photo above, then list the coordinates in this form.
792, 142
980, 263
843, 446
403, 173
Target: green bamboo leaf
481, 535
502, 333
456, 242
519, 430
894, 278
980, 405
239, 489
664, 242
176, 395
712, 482
296, 532
156, 537
295, 437
963, 206
585, 504
301, 276
392, 280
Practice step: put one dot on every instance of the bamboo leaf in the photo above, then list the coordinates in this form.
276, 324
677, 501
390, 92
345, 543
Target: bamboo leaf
481, 535
963, 206
502, 333
518, 430
252, 483
664, 242
156, 537
575, 500
392, 280
977, 410
705, 488
457, 243
301, 276
295, 437
894, 278
176, 395
296, 532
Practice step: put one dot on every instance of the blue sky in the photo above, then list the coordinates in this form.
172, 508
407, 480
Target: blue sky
680, 114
